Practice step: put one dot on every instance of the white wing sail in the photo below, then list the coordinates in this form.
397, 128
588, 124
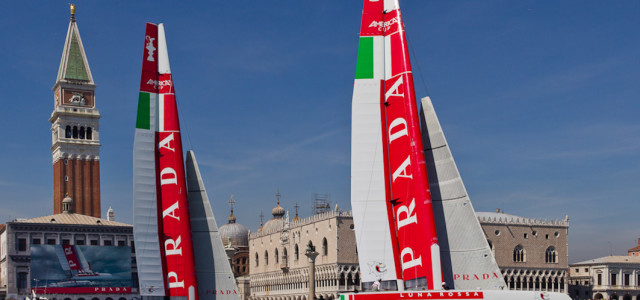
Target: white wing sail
467, 260
213, 272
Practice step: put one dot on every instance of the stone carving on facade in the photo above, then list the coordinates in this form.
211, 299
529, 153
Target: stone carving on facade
78, 99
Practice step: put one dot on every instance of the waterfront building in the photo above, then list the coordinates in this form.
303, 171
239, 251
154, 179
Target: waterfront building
609, 277
532, 254
279, 268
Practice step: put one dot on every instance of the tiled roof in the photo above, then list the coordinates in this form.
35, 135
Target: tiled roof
2, 226
611, 259
636, 248
72, 219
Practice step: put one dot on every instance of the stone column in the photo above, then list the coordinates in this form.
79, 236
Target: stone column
311, 255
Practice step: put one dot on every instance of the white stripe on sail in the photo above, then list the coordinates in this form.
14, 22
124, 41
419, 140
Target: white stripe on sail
390, 5
153, 112
161, 113
387, 57
378, 57
163, 53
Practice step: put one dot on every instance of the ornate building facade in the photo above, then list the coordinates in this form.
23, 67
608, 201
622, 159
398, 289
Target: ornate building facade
532, 254
609, 277
279, 269
75, 129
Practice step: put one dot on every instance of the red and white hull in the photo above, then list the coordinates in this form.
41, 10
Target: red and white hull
456, 295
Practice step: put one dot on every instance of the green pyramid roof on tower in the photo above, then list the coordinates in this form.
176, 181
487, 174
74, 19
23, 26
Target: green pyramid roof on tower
73, 64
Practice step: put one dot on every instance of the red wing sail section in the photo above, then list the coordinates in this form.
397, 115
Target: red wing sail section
172, 194
411, 200
72, 258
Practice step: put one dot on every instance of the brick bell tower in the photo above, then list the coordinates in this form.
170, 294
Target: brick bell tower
75, 130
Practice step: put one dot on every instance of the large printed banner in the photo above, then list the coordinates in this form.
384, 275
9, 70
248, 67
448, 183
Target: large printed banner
73, 269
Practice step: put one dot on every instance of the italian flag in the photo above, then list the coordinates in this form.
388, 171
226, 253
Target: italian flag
147, 108
370, 63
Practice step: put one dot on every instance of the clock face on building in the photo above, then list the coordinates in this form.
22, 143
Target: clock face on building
76, 98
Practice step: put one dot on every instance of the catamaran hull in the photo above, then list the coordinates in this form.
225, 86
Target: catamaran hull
456, 295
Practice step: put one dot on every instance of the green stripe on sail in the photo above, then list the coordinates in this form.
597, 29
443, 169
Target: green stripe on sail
364, 65
144, 111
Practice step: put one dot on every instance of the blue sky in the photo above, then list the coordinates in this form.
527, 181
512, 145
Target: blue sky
538, 99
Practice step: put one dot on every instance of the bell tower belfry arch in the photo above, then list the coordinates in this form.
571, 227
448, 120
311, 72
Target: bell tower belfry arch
75, 130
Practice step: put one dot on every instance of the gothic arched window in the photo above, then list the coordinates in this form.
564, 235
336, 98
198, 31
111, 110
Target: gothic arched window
81, 133
551, 256
89, 133
325, 247
75, 132
266, 257
276, 256
67, 132
518, 254
296, 252
285, 256
257, 259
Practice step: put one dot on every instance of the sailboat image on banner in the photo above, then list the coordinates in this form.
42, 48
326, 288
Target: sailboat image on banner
178, 247
431, 245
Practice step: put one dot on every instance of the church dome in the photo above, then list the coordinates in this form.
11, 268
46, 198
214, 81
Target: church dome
273, 225
238, 234
278, 211
278, 217
233, 232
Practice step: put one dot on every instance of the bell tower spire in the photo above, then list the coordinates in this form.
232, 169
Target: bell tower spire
75, 128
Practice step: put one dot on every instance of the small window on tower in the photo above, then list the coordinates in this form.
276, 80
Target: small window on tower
66, 162
82, 132
75, 132
67, 132
89, 135
66, 178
